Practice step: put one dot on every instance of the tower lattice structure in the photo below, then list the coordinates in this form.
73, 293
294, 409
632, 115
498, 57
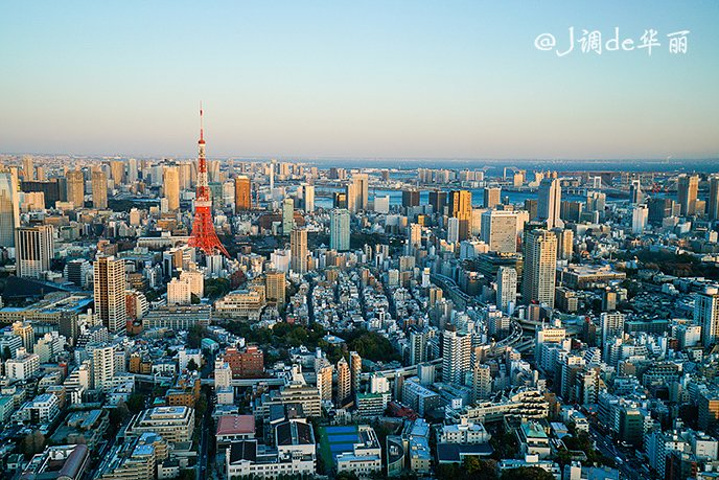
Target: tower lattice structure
203, 230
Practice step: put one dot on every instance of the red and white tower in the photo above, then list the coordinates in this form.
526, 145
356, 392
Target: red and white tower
203, 230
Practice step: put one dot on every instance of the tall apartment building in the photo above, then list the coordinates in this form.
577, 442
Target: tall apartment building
540, 267
99, 188
35, 250
506, 288
76, 188
687, 188
340, 230
109, 287
298, 248
243, 193
706, 314
171, 187
456, 355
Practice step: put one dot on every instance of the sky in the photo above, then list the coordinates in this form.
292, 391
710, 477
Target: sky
372, 79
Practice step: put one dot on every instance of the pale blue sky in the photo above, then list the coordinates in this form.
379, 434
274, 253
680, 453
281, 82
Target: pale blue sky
373, 79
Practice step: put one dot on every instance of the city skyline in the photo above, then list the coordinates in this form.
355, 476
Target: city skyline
456, 81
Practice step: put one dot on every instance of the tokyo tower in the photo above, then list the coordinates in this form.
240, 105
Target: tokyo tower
203, 230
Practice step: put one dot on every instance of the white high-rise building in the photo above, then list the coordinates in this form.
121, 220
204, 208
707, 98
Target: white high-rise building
109, 286
35, 250
132, 172
549, 202
611, 324
103, 366
456, 355
540, 267
340, 230
308, 197
288, 215
706, 314
452, 230
640, 217
506, 289
499, 230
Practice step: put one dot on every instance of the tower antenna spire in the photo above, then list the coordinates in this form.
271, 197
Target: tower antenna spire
202, 124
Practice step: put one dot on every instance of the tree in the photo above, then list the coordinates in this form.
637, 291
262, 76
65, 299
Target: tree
118, 416
195, 335
527, 473
136, 402
33, 443
192, 365
187, 474
478, 468
347, 476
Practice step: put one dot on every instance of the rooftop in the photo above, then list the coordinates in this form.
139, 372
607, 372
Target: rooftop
236, 424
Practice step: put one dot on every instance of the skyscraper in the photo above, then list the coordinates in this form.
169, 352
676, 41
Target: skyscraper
298, 249
355, 371
275, 287
417, 346
438, 199
713, 206
132, 172
340, 230
308, 198
706, 314
506, 288
76, 188
540, 267
9, 209
103, 366
243, 193
288, 215
414, 238
117, 168
344, 382
171, 187
460, 204
456, 355
410, 198
640, 216
99, 188
492, 197
453, 225
360, 188
28, 169
635, 192
35, 250
549, 202
687, 187
109, 286
499, 230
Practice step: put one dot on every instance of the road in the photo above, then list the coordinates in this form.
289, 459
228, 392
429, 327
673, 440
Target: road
627, 465
202, 469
